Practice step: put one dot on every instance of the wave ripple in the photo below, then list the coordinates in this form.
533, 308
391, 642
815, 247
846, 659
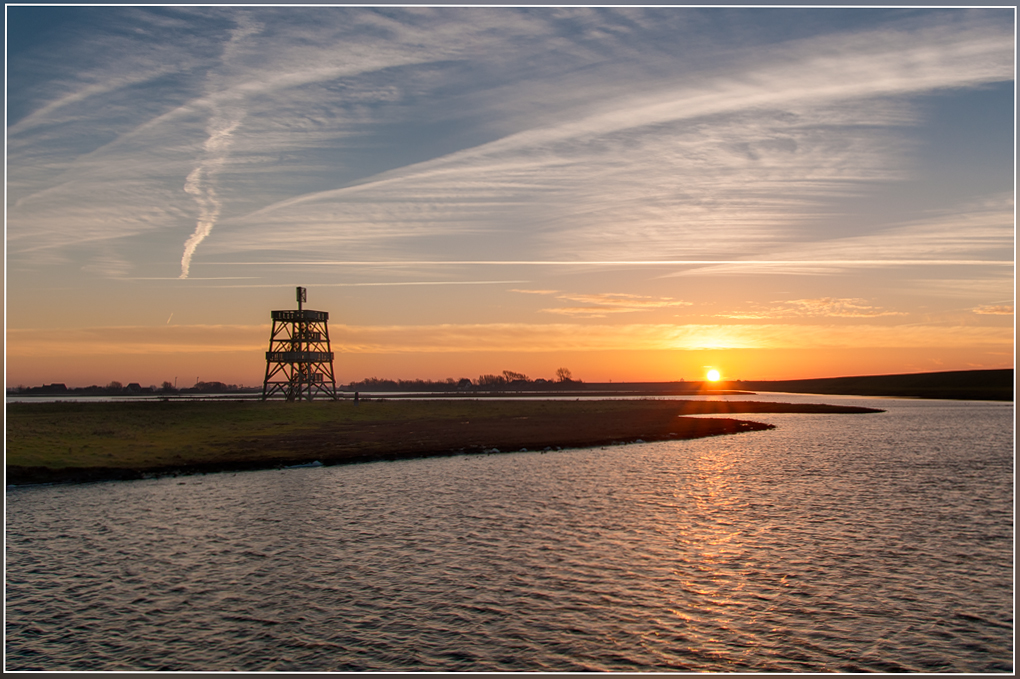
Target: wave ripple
833, 543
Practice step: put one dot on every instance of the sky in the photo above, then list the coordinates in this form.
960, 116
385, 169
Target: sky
635, 194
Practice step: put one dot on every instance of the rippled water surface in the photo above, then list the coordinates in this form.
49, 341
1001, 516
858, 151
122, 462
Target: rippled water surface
877, 542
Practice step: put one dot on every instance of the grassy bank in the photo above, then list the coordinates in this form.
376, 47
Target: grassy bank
87, 441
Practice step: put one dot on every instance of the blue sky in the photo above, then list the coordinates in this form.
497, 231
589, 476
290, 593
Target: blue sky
547, 181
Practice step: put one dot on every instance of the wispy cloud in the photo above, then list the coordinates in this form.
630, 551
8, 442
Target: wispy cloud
631, 337
562, 151
224, 121
971, 234
821, 307
733, 165
503, 337
597, 143
599, 305
994, 309
152, 340
109, 266
362, 284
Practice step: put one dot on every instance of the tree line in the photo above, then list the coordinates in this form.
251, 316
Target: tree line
508, 379
116, 388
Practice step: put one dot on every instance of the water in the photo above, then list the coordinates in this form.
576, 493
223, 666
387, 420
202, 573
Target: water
878, 542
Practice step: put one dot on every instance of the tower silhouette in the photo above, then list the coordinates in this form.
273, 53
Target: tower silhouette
299, 363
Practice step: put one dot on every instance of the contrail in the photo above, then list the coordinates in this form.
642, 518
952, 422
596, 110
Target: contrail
171, 316
209, 210
201, 182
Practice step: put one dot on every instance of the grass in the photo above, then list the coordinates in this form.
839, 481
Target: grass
59, 435
216, 435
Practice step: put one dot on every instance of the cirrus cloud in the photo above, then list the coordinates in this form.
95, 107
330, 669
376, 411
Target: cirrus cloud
500, 337
821, 307
994, 309
598, 305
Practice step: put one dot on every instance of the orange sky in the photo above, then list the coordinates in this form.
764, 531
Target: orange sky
636, 194
236, 355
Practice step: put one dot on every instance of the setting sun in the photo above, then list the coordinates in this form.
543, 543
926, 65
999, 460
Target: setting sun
713, 375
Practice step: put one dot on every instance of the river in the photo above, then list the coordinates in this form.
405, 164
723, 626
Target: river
850, 543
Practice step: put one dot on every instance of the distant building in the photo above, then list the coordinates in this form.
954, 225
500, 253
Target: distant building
55, 388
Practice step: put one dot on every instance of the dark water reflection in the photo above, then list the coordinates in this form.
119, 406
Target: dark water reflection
833, 543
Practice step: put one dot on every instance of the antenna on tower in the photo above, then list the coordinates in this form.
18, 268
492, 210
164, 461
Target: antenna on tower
302, 296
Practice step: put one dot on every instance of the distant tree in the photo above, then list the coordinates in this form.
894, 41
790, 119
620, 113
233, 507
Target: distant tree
377, 384
115, 386
167, 386
563, 375
210, 387
512, 376
491, 380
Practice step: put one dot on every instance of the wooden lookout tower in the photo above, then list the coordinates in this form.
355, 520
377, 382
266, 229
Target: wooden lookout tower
299, 363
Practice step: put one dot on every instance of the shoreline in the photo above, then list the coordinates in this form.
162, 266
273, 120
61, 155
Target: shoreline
129, 441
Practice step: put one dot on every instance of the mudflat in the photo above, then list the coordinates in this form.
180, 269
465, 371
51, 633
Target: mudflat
74, 442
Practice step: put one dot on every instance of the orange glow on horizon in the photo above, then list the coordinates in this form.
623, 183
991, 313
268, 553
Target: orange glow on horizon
248, 366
